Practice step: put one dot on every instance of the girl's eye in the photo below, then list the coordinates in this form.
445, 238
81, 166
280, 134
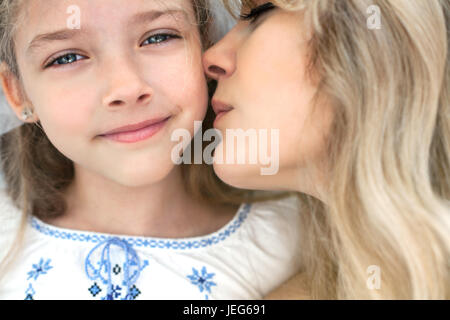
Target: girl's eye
70, 58
258, 11
65, 59
160, 38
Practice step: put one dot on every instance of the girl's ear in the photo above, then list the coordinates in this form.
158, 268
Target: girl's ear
13, 91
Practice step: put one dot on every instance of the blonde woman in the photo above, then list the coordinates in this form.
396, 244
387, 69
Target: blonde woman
359, 91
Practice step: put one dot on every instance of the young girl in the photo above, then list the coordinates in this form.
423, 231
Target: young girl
106, 214
360, 93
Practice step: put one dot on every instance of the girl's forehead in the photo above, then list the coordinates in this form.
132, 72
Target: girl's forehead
43, 12
41, 18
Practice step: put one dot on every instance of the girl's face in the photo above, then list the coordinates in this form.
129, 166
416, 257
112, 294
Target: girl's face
260, 67
128, 62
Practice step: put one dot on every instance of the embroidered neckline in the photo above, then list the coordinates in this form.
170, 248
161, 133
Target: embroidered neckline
150, 242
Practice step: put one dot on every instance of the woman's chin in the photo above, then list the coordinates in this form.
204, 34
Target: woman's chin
243, 176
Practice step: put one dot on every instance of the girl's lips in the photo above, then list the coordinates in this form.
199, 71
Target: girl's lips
137, 135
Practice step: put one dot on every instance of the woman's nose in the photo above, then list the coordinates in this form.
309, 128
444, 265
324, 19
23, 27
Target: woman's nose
219, 60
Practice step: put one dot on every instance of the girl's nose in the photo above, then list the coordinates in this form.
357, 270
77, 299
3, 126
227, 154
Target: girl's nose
126, 87
129, 98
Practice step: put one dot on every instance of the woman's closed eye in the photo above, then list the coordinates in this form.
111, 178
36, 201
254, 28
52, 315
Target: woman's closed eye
255, 13
72, 57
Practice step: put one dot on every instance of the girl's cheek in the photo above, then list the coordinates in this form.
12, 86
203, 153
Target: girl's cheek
187, 82
68, 114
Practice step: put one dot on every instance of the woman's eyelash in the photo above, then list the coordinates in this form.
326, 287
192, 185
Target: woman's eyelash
256, 12
70, 57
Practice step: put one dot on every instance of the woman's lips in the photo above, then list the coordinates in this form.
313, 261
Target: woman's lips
220, 108
137, 135
220, 115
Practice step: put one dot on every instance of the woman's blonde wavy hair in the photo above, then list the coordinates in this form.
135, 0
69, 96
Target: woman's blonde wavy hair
37, 174
388, 198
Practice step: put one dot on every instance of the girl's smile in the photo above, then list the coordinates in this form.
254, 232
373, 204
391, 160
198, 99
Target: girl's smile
145, 132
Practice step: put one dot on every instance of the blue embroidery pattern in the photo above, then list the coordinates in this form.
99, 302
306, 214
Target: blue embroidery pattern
147, 242
203, 281
98, 267
95, 289
29, 293
38, 269
98, 264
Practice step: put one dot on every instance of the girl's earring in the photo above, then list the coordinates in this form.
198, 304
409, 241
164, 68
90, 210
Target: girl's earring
26, 114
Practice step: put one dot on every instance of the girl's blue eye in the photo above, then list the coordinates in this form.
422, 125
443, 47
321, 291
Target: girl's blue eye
258, 11
160, 38
70, 58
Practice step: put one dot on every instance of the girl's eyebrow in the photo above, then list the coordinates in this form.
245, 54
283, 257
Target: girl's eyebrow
67, 34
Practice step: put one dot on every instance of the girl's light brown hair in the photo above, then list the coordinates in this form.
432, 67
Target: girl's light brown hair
388, 198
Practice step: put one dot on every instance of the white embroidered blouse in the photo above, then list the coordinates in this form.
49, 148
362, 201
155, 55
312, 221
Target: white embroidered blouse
247, 258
